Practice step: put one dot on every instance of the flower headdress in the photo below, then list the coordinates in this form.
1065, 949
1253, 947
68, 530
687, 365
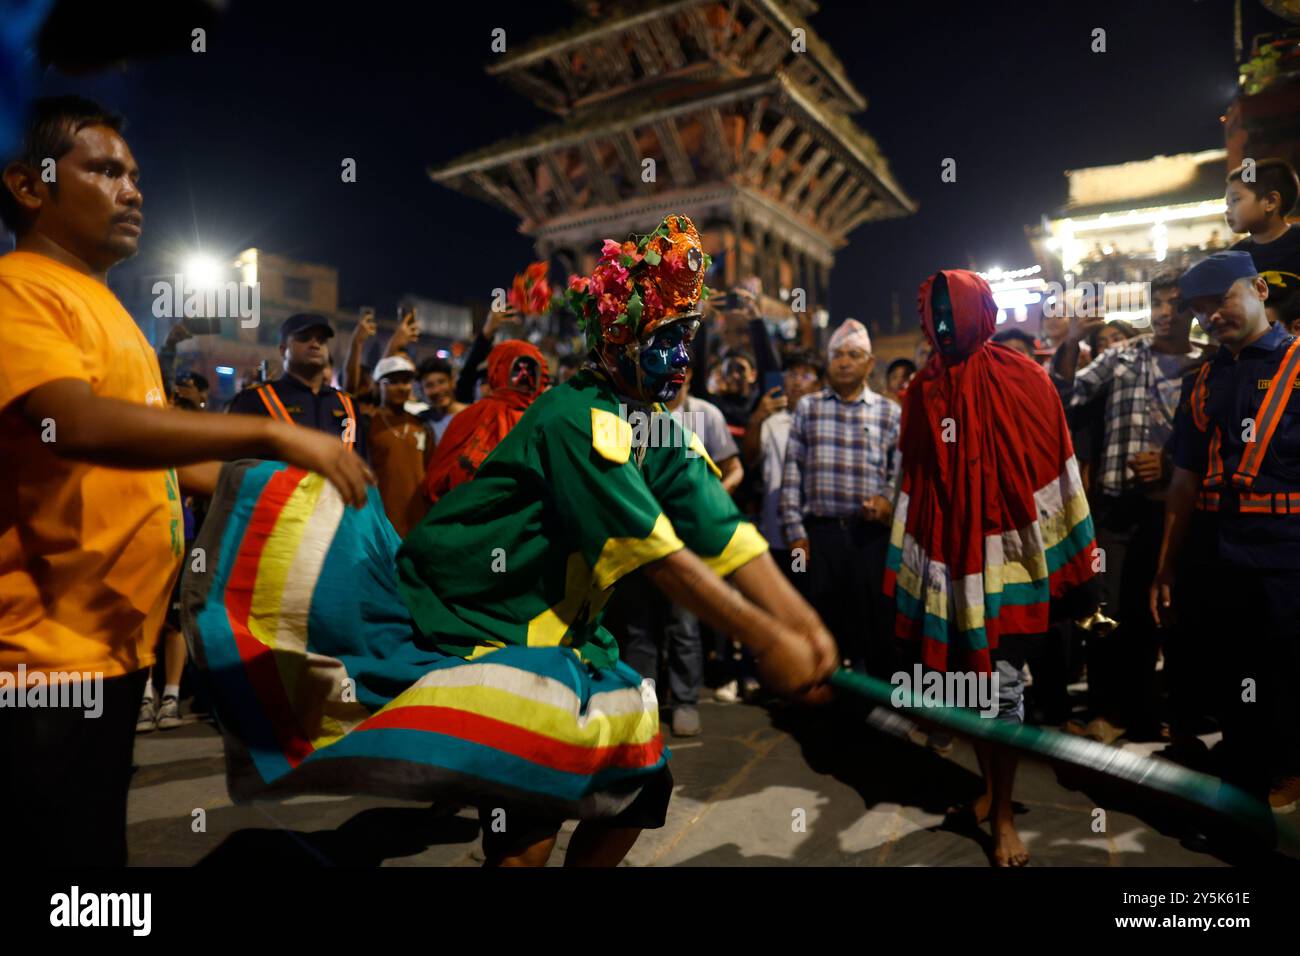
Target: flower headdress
641, 284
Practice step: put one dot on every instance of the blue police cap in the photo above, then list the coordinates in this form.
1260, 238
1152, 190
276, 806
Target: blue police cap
301, 322
1214, 275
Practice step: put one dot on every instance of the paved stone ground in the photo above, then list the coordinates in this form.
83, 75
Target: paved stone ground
866, 799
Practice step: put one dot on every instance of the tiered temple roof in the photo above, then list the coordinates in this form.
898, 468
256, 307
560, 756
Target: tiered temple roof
747, 120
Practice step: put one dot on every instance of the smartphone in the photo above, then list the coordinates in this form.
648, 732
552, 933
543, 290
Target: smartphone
198, 326
773, 380
731, 302
263, 370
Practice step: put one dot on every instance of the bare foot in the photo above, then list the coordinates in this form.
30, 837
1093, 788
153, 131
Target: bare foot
1007, 848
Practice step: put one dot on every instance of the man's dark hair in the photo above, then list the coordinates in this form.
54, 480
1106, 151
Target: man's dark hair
1020, 335
1168, 279
52, 126
196, 379
900, 363
1272, 175
1094, 340
431, 365
805, 358
739, 353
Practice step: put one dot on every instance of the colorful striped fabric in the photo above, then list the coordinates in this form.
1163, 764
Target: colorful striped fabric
322, 684
1023, 570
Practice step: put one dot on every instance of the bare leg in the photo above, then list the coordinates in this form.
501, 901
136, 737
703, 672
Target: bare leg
535, 855
594, 844
1007, 848
176, 653
983, 804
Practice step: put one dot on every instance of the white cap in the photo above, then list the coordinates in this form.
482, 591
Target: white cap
393, 363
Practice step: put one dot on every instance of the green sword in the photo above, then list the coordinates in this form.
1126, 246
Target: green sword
1190, 787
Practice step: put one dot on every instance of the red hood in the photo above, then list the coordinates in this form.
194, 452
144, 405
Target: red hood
502, 360
974, 313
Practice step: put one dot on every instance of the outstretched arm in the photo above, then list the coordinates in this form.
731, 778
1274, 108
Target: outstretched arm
105, 431
763, 611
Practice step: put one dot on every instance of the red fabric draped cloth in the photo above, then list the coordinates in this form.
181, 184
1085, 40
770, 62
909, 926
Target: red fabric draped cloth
991, 522
517, 374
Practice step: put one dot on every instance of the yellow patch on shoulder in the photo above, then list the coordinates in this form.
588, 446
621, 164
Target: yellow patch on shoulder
697, 446
611, 436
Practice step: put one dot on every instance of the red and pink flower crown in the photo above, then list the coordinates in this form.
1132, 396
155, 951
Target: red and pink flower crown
641, 284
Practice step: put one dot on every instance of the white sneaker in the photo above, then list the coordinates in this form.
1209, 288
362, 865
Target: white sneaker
728, 693
147, 722
169, 714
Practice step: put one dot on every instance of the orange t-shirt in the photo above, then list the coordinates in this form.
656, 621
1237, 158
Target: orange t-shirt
88, 554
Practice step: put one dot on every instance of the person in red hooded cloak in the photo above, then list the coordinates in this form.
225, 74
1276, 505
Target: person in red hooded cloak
517, 374
992, 525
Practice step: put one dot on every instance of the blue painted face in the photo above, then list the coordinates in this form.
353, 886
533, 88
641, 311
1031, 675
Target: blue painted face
665, 357
945, 328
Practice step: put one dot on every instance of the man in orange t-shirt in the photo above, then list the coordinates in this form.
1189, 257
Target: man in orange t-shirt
91, 533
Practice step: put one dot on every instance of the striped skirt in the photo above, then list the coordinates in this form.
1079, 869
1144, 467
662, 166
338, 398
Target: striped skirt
959, 617
321, 683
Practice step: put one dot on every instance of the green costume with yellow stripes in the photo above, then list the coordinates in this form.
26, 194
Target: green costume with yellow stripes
571, 500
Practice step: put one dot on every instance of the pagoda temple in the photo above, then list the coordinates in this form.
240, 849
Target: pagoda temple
735, 113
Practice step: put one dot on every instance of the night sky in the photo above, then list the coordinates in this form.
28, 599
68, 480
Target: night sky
241, 146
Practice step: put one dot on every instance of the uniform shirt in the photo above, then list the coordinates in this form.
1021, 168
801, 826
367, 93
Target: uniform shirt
1234, 391
400, 448
529, 552
1131, 379
323, 410
88, 554
839, 454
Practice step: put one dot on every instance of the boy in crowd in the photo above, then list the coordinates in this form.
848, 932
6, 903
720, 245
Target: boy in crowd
1260, 207
1019, 340
400, 446
897, 376
437, 382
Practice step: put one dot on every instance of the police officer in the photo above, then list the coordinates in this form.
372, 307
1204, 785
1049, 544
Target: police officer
302, 395
1237, 456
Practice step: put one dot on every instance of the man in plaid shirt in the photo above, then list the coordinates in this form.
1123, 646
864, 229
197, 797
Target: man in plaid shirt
837, 494
1140, 382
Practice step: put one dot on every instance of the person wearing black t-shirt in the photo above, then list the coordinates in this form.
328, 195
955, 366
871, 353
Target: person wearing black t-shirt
1260, 208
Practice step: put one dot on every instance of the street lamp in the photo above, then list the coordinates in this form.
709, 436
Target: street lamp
202, 271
